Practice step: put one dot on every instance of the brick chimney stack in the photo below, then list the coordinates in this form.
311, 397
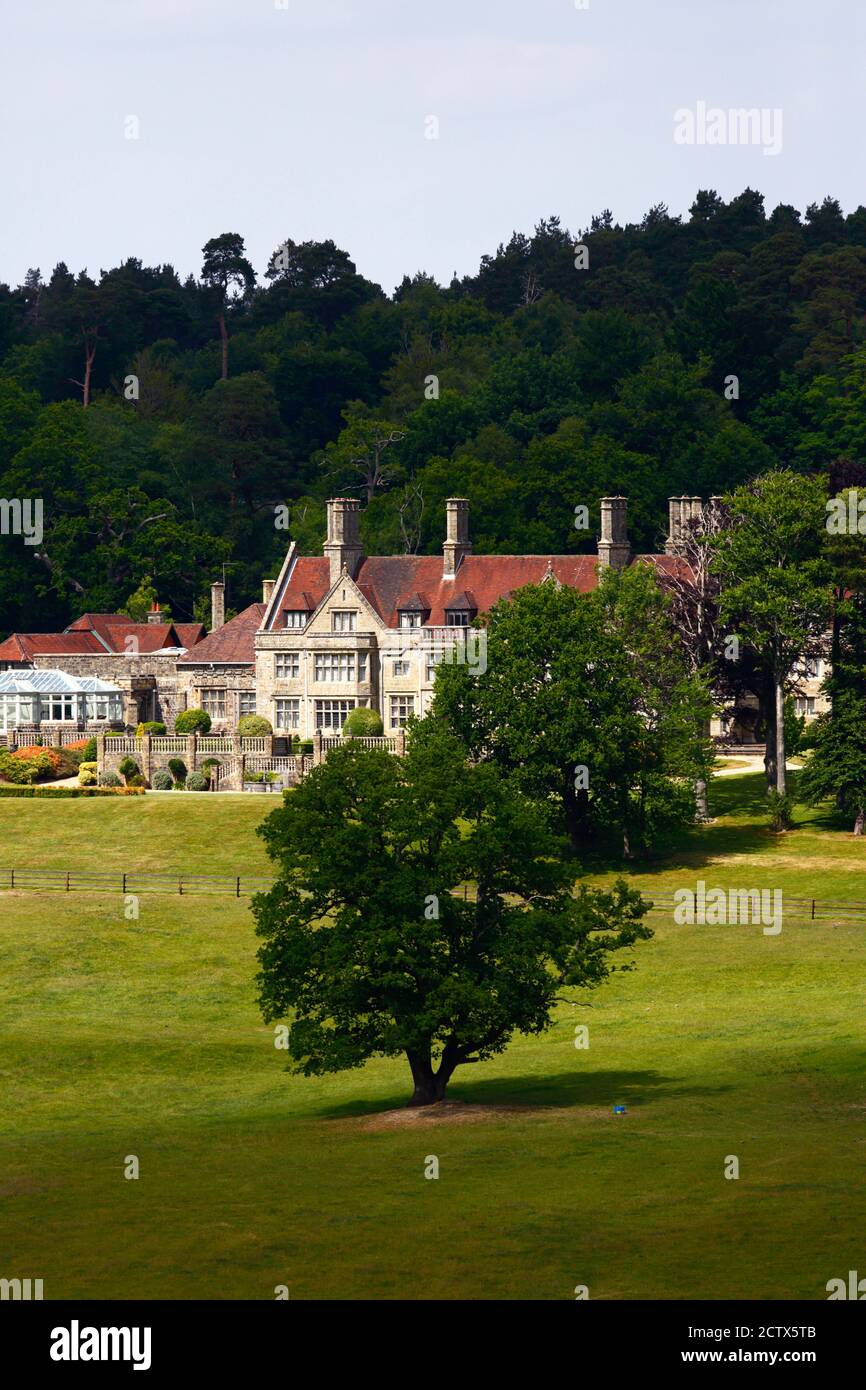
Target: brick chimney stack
613, 545
155, 615
343, 546
267, 589
217, 606
457, 543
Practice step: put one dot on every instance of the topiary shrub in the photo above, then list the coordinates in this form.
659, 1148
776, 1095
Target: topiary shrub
162, 780
87, 776
177, 768
254, 726
108, 779
363, 723
88, 752
192, 721
139, 780
195, 782
150, 726
128, 768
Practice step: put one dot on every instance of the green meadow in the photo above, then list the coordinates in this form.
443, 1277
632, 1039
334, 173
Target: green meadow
141, 1037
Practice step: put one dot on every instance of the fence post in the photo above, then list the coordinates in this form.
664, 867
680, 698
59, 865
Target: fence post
400, 743
813, 909
100, 752
317, 747
192, 752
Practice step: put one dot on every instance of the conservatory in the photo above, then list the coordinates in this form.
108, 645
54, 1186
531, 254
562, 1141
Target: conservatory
54, 697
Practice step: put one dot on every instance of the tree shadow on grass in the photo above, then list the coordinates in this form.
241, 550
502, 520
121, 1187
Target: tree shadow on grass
696, 845
565, 1091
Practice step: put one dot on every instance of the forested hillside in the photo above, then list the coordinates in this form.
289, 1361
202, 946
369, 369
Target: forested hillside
163, 422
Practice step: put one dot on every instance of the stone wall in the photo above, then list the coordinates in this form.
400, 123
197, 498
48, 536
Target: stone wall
193, 680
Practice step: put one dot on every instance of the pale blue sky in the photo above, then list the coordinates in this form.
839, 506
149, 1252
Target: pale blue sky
309, 121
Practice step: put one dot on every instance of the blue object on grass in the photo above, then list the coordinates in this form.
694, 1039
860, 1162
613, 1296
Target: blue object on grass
619, 1110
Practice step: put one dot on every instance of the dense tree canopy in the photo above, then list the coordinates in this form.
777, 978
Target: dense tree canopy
162, 419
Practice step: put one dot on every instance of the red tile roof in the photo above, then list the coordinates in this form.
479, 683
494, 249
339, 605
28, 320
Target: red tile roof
99, 622
386, 580
190, 633
233, 643
98, 634
23, 646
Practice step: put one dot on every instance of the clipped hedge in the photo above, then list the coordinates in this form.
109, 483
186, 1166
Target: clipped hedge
162, 780
363, 723
195, 782
254, 726
192, 721
150, 726
70, 791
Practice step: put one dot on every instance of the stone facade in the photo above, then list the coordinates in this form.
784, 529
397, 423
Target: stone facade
345, 630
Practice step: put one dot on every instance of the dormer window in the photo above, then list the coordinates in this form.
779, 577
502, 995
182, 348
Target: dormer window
297, 617
412, 610
460, 611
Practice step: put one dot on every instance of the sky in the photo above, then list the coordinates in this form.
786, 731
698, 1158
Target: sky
145, 127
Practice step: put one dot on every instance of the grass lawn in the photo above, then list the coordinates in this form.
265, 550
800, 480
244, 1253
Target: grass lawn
122, 1037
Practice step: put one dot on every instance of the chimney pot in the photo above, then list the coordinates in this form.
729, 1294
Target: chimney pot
155, 614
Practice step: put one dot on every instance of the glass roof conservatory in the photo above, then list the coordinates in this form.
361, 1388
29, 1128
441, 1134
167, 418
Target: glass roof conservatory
55, 697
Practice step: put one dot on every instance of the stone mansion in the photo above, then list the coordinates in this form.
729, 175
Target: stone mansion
332, 632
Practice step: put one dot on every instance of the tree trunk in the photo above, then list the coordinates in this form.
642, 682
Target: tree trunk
702, 810
767, 700
575, 804
89, 354
781, 781
860, 822
225, 346
429, 1084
